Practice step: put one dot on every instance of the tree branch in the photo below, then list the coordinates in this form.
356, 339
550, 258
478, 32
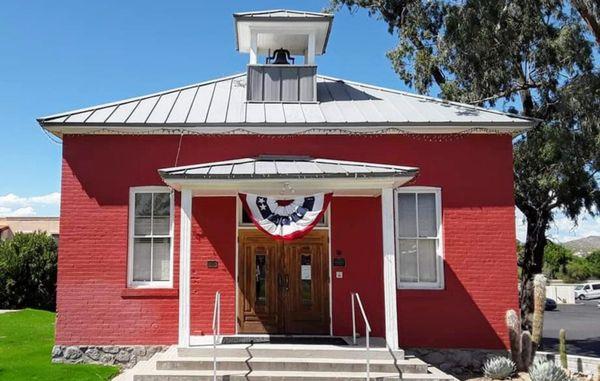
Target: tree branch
591, 15
506, 93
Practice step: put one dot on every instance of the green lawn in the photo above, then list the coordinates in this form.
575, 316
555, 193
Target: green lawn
26, 340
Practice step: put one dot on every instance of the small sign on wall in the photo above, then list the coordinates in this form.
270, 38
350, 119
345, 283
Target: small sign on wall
212, 264
339, 262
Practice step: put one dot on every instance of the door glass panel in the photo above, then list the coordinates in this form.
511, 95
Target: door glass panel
261, 272
306, 278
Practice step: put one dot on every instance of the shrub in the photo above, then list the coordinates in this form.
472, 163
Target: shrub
556, 259
28, 271
547, 371
593, 261
499, 368
578, 270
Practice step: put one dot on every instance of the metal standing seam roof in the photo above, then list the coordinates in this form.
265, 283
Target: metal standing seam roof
286, 167
340, 104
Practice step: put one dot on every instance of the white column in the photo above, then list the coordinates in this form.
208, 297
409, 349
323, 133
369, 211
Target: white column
310, 54
389, 267
185, 239
253, 47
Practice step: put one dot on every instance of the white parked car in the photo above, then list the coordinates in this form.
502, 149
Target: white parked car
587, 291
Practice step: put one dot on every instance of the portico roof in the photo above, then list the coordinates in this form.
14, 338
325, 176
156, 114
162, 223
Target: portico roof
287, 172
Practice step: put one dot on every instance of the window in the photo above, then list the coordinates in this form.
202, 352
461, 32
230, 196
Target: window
419, 258
150, 237
596, 286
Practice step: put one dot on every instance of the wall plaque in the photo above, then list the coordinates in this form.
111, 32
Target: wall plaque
339, 262
212, 264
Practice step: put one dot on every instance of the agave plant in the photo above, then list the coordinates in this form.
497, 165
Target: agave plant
543, 370
499, 368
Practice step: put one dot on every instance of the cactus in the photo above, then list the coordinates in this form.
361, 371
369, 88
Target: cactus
562, 348
523, 344
513, 323
499, 368
520, 341
539, 305
526, 349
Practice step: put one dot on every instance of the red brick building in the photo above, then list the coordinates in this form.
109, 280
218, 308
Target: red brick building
420, 224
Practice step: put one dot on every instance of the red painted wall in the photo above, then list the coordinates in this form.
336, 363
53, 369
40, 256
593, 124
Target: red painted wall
213, 238
474, 172
364, 265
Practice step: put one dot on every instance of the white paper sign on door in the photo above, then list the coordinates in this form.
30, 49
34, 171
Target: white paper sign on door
305, 273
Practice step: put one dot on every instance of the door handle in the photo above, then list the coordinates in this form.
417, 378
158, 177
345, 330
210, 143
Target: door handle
279, 281
287, 282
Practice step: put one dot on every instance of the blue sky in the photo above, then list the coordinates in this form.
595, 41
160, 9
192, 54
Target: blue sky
62, 55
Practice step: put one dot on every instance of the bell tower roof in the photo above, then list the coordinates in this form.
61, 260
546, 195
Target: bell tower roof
274, 29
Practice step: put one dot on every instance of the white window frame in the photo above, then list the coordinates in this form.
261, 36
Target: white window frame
439, 285
131, 233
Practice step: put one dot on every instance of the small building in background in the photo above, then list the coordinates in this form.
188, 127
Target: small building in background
9, 226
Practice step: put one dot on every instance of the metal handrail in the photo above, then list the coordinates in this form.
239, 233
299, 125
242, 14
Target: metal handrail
354, 295
216, 327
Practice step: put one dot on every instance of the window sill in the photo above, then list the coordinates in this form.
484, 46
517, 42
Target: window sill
144, 293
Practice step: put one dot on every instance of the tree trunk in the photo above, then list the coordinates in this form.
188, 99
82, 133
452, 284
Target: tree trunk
532, 263
590, 13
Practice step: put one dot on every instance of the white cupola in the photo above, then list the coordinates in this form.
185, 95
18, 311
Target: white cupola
279, 38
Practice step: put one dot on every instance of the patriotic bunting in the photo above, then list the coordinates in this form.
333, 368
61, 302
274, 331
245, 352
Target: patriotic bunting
286, 219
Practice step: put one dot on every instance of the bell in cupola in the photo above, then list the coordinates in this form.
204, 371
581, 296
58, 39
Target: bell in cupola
280, 56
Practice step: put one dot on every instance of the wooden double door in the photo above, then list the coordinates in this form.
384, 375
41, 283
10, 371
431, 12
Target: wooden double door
283, 287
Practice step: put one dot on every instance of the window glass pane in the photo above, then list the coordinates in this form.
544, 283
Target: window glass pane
141, 259
407, 260
261, 279
427, 215
427, 260
162, 214
161, 250
143, 213
407, 226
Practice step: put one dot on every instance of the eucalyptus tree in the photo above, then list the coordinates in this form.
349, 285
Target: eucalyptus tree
531, 57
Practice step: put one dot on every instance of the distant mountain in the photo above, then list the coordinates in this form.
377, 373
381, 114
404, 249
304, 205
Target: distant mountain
584, 246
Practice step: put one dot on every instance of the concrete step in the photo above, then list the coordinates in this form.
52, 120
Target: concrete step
203, 375
169, 362
288, 351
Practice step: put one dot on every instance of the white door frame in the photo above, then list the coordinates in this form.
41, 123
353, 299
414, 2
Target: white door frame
238, 227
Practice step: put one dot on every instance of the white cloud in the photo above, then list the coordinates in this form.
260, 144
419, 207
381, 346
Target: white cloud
562, 229
12, 205
27, 211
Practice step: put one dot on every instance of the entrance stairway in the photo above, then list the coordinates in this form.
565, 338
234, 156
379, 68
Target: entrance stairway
289, 362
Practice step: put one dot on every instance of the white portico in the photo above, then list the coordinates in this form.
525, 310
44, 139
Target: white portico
288, 176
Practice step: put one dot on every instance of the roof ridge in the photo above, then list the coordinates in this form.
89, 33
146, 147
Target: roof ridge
426, 97
138, 98
295, 11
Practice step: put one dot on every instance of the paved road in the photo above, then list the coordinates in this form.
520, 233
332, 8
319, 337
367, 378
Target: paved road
582, 323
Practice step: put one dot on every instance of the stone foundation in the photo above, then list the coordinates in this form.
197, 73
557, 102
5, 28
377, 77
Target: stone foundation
124, 356
458, 362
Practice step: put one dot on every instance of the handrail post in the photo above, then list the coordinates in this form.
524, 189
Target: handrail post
353, 320
216, 327
367, 330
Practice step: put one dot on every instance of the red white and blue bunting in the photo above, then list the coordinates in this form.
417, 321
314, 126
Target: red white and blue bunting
286, 219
